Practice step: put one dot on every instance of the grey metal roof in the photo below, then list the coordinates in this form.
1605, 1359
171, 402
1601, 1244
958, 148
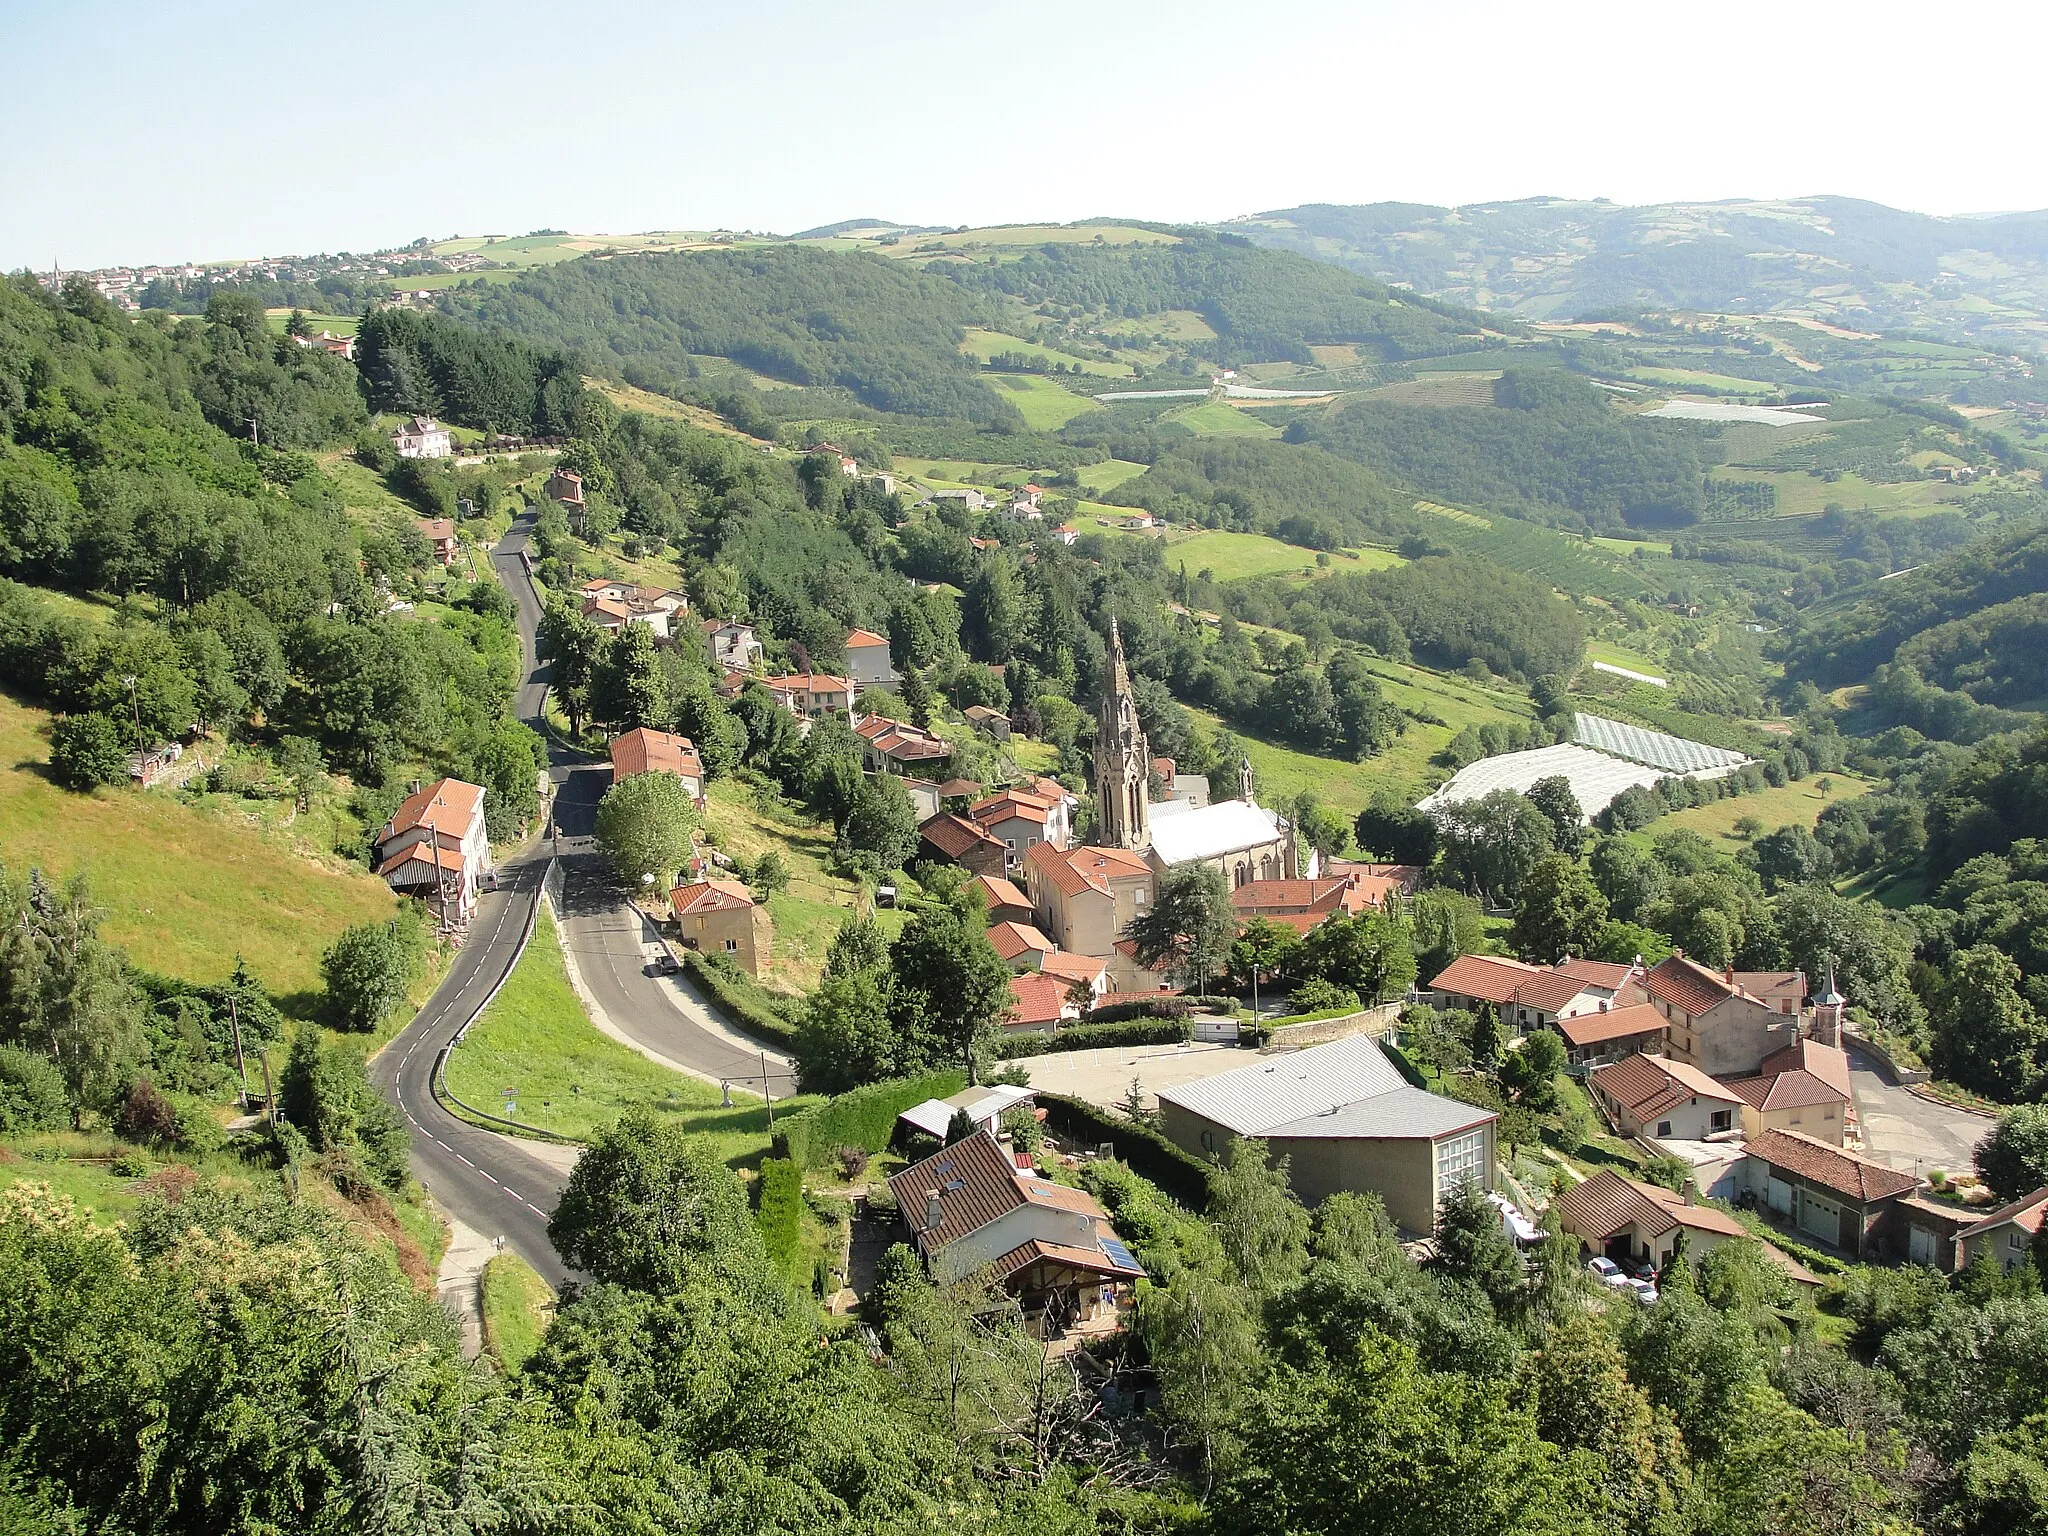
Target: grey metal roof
1402, 1112
1251, 1100
1673, 753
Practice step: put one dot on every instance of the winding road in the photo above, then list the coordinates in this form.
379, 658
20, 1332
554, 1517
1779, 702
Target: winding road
486, 1180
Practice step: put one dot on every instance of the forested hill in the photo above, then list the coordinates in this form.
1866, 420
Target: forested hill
885, 331
1552, 258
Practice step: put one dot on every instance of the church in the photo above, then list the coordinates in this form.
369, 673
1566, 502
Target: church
1240, 837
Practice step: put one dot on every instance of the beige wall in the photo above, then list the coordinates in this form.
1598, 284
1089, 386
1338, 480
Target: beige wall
1823, 1122
1690, 1121
1996, 1241
1731, 1039
1049, 1224
708, 931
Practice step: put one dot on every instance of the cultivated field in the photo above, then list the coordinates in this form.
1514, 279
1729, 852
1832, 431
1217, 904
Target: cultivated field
1212, 418
988, 345
1044, 406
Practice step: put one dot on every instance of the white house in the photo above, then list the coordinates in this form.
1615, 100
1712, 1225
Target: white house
434, 847
867, 659
733, 644
422, 438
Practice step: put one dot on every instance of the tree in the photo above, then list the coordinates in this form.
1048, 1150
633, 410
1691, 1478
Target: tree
880, 823
1791, 856
651, 1205
1189, 928
1260, 1219
1370, 954
369, 969
1322, 827
1559, 911
1444, 924
1491, 844
2013, 1156
31, 1093
575, 646
1205, 1345
1554, 798
844, 1036
1473, 1248
950, 990
1529, 1071
771, 875
625, 691
644, 826
89, 750
1271, 949
917, 698
1986, 1035
1389, 828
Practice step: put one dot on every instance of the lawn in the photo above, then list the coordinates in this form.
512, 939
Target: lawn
363, 489
535, 1056
1212, 418
1043, 234
1621, 656
340, 325
108, 1195
627, 398
1627, 547
1108, 475
187, 888
1044, 405
517, 1306
809, 912
1232, 555
1794, 804
987, 345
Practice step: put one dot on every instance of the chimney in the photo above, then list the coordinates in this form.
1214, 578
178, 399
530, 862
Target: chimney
932, 1212
1728, 974
1691, 1191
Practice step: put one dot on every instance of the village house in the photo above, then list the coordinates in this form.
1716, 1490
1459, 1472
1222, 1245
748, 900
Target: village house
881, 480
807, 695
1712, 1022
1345, 1119
646, 751
2007, 1235
611, 605
1668, 1100
1024, 949
895, 746
991, 722
1022, 820
439, 533
1040, 1004
435, 848
1376, 884
849, 466
1085, 898
1832, 1195
867, 660
734, 646
565, 486
1804, 1087
1006, 904
956, 840
1634, 1223
422, 438
971, 1208
1527, 996
971, 499
721, 917
1299, 904
1591, 1039
328, 342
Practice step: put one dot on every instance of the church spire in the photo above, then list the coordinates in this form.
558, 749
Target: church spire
1123, 764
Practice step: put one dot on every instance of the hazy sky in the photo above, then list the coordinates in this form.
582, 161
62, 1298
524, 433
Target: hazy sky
209, 128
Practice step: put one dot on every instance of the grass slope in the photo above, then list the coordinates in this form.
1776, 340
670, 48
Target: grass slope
1044, 405
536, 1041
187, 889
517, 1307
1798, 804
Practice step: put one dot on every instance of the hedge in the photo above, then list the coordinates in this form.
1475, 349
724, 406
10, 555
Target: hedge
1403, 1065
730, 998
863, 1117
1165, 1006
1149, 1154
778, 1213
1088, 1037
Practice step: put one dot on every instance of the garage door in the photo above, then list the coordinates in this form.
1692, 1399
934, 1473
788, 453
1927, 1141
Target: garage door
1822, 1218
1921, 1246
1780, 1197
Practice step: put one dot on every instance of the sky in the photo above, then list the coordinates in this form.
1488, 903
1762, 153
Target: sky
212, 129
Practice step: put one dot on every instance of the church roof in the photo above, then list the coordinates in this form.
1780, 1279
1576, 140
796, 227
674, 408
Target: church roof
1212, 831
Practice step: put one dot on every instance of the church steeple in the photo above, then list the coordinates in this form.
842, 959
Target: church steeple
1123, 763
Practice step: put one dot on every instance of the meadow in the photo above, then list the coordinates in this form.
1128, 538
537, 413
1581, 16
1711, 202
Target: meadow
986, 346
1108, 475
1212, 418
1798, 804
1801, 494
1044, 406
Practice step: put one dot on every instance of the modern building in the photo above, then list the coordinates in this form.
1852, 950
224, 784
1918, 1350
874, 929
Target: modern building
721, 917
1344, 1119
435, 848
646, 751
971, 1208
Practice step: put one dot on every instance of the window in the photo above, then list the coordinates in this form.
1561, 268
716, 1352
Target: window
2015, 1239
1208, 1141
1663, 1128
1720, 1119
1461, 1159
731, 945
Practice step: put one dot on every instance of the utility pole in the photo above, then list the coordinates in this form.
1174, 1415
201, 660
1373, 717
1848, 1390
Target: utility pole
135, 705
241, 1068
767, 1097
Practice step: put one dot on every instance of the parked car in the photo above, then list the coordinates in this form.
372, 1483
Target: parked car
664, 963
1608, 1273
1644, 1291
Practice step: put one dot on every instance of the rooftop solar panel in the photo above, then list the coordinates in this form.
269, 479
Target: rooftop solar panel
1120, 1255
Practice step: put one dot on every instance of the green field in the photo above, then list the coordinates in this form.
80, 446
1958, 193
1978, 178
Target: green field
1621, 656
1039, 234
341, 325
517, 1307
1627, 547
187, 888
987, 345
1794, 804
1212, 418
1802, 495
1232, 555
1044, 405
534, 1048
1693, 378
1108, 475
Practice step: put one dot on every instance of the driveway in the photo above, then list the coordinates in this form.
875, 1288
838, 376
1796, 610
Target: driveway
1103, 1077
1911, 1134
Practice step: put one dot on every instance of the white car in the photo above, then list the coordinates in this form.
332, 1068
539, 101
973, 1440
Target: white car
1645, 1292
1609, 1274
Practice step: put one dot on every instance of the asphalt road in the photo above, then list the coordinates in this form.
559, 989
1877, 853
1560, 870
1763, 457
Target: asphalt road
488, 1181
1912, 1134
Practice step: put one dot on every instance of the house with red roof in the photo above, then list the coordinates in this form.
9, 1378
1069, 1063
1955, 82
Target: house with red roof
1085, 897
645, 751
1006, 903
1715, 1023
1834, 1196
867, 660
1026, 951
1805, 1087
439, 533
435, 848
422, 437
1665, 1099
2007, 1234
1022, 819
1526, 996
721, 917
734, 645
1633, 1222
896, 746
956, 840
806, 695
1298, 904
611, 604
1593, 1038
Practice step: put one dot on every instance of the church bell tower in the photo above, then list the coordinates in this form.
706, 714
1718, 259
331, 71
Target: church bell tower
1123, 763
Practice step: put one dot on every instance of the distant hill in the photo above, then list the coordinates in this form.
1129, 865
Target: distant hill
1854, 263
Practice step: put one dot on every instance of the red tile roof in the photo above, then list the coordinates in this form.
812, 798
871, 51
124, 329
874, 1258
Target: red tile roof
424, 853
1646, 1086
1548, 992
864, 638
1024, 1255
1596, 973
956, 837
1689, 986
447, 806
2025, 1213
709, 896
645, 751
1795, 1089
1074, 870
1615, 1024
1011, 805
1014, 939
439, 529
1857, 1178
1829, 1063
1068, 966
1606, 1203
1264, 898
1036, 998
999, 893
975, 1183
1491, 977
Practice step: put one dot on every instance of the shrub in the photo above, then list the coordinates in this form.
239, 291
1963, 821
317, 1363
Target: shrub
1164, 1006
728, 993
1149, 1154
369, 969
778, 1213
89, 750
31, 1093
1088, 1037
146, 1115
864, 1117
1317, 996
853, 1162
